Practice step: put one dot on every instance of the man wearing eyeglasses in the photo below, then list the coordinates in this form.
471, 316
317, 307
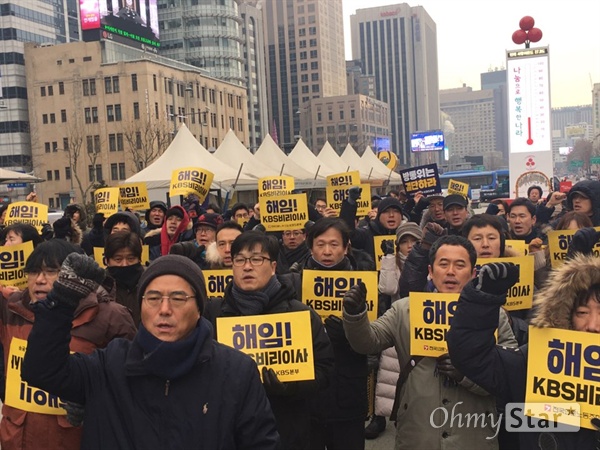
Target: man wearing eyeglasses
173, 386
292, 250
257, 290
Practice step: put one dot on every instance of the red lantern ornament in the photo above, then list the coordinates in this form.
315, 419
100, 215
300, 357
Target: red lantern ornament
526, 23
519, 37
534, 35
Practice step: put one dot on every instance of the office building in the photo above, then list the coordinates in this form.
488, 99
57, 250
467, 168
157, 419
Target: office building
397, 44
23, 21
102, 111
305, 59
496, 81
357, 82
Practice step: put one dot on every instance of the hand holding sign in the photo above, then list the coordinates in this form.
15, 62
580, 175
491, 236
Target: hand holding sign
387, 247
497, 278
355, 300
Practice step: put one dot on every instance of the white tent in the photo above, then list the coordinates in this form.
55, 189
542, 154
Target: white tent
383, 172
10, 176
232, 151
302, 155
350, 157
186, 151
330, 157
271, 155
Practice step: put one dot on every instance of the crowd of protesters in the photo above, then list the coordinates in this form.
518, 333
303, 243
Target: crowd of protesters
132, 351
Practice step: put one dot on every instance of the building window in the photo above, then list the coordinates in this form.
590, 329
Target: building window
136, 110
49, 175
138, 140
92, 86
118, 115
67, 173
61, 88
52, 118
50, 90
352, 114
65, 144
43, 91
54, 146
319, 117
47, 147
314, 76
154, 82
156, 109
94, 114
342, 114
315, 88
87, 113
110, 113
57, 174
116, 86
330, 115
314, 65
122, 171
112, 143
44, 118
51, 202
63, 115
134, 86
119, 142
107, 85
89, 140
87, 58
114, 172
91, 173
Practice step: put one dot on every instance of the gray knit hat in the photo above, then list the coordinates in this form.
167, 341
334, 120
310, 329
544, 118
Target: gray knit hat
175, 265
408, 228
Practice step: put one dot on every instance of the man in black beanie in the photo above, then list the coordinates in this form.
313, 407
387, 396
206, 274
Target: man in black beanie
171, 387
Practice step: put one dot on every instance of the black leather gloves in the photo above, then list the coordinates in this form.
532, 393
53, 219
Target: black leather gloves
583, 241
354, 194
355, 299
79, 276
387, 247
445, 367
497, 278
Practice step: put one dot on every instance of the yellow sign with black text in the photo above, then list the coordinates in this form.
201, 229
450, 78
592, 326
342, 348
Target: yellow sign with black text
520, 296
216, 281
563, 366
289, 212
458, 187
558, 246
335, 195
12, 264
22, 396
33, 213
377, 240
134, 196
344, 179
275, 186
107, 200
282, 342
430, 318
191, 180
323, 290
518, 246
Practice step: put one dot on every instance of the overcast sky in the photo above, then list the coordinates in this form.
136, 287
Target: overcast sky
473, 35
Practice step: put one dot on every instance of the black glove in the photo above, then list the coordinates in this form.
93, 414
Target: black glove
75, 413
583, 241
497, 278
596, 422
272, 384
354, 194
355, 299
433, 232
79, 276
492, 209
387, 247
47, 232
445, 367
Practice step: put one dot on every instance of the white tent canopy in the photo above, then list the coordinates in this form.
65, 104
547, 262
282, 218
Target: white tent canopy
302, 155
270, 154
11, 176
350, 157
186, 151
380, 170
233, 151
329, 156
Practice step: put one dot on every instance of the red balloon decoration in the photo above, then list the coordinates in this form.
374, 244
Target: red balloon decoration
534, 35
526, 23
519, 37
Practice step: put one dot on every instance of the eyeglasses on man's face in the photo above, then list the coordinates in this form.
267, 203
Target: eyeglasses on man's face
177, 299
240, 261
288, 234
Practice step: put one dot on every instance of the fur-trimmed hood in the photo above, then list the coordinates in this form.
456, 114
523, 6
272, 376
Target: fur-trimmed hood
212, 257
554, 303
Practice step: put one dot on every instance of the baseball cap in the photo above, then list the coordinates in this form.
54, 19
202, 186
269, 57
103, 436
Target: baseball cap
454, 199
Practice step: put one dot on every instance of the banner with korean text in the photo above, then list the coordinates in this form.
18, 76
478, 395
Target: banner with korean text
12, 264
288, 212
558, 246
423, 179
518, 246
377, 244
107, 200
430, 319
564, 366
134, 196
216, 281
275, 186
520, 296
282, 342
35, 214
458, 187
337, 188
323, 290
191, 180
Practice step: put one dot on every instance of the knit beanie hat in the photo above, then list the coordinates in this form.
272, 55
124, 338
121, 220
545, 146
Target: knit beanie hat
387, 203
175, 265
409, 228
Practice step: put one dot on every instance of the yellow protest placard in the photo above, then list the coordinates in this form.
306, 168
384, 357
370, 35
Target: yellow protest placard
344, 179
282, 342
275, 186
191, 180
99, 256
458, 187
35, 214
134, 196
107, 200
289, 212
335, 195
430, 317
12, 264
518, 246
22, 396
563, 366
558, 246
216, 281
377, 240
520, 296
323, 290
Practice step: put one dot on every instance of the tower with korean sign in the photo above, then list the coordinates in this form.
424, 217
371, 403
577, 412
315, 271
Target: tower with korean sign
530, 130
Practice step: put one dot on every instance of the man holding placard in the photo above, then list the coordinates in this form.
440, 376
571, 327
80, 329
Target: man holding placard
556, 373
428, 384
257, 293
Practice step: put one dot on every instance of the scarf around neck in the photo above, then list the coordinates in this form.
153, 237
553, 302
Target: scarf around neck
251, 303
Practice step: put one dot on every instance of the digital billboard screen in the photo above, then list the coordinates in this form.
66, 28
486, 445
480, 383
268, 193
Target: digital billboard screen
131, 22
381, 143
427, 141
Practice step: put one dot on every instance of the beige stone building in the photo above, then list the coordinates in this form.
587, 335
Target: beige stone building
355, 119
100, 112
